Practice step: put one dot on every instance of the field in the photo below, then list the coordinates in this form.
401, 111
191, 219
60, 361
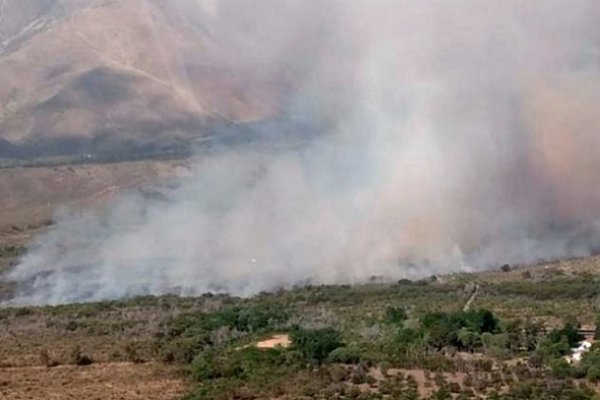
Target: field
109, 381
31, 196
404, 340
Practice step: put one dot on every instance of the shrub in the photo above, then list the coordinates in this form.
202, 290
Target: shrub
549, 350
480, 321
345, 355
239, 364
259, 317
315, 345
561, 368
568, 332
80, 359
443, 329
469, 340
132, 353
182, 350
207, 366
593, 374
395, 315
248, 319
590, 364
47, 360
23, 311
11, 251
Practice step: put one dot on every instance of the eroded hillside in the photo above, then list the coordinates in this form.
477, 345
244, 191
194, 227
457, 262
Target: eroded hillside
98, 77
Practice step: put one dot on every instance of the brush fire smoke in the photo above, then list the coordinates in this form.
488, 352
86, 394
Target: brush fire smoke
449, 135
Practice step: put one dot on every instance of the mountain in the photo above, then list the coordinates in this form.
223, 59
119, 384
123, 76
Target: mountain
97, 77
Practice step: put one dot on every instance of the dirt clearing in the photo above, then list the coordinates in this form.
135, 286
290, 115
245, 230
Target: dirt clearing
274, 341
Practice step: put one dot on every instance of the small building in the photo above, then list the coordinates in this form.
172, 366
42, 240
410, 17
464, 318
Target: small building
578, 352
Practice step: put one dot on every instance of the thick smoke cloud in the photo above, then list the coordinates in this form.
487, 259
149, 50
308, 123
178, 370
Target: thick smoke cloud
444, 136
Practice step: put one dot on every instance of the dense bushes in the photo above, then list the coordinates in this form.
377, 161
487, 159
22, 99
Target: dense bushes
395, 315
242, 319
461, 330
569, 334
237, 364
558, 343
475, 321
590, 364
588, 367
316, 344
307, 345
238, 372
345, 355
187, 335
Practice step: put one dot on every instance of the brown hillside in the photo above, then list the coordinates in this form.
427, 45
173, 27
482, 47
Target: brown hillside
88, 76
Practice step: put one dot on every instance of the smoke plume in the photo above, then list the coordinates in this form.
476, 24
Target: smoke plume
411, 138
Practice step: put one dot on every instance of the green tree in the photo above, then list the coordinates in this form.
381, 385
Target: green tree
568, 332
316, 344
561, 368
469, 340
395, 315
345, 355
590, 364
480, 321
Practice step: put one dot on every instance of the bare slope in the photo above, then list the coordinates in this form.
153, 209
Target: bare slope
95, 76
31, 195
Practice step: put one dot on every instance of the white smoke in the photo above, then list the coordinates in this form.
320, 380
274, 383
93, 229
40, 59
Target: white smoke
452, 135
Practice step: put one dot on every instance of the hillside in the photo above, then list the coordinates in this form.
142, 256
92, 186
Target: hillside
96, 94
32, 195
94, 77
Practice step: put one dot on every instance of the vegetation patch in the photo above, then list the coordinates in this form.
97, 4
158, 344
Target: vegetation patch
406, 340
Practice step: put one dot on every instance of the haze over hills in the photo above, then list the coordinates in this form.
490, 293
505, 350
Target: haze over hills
434, 136
404, 195
97, 77
98, 82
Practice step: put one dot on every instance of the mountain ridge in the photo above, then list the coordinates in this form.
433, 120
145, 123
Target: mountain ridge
85, 71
